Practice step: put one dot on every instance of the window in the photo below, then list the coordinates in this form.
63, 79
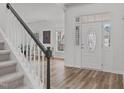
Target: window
77, 34
107, 36
60, 41
92, 41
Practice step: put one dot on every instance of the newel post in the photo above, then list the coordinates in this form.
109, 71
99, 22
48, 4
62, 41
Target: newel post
48, 56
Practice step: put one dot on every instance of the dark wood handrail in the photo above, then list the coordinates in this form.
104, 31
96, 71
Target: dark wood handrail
46, 51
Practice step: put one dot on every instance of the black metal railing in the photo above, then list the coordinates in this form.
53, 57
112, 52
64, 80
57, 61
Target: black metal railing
47, 52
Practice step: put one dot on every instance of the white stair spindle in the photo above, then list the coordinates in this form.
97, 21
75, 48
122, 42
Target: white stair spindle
42, 66
39, 64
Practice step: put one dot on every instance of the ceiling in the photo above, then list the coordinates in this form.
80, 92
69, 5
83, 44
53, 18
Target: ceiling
42, 11
39, 11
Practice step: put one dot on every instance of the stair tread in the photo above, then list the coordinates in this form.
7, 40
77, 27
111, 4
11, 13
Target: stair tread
4, 51
11, 77
7, 63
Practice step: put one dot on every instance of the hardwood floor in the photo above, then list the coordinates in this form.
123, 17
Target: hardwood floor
75, 78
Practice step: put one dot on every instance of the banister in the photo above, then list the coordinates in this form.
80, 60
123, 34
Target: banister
26, 28
47, 52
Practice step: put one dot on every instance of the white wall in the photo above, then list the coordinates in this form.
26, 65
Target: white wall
72, 53
3, 16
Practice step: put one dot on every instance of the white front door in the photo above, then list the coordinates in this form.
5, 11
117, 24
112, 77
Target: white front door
91, 45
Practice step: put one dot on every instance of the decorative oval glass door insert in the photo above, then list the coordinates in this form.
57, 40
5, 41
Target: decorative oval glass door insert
91, 41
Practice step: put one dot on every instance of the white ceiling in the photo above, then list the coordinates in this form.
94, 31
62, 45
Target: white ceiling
39, 11
42, 11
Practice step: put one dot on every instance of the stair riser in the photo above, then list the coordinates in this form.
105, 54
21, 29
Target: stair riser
1, 46
12, 84
8, 70
4, 57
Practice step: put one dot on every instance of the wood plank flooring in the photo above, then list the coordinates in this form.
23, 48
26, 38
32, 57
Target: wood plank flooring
74, 78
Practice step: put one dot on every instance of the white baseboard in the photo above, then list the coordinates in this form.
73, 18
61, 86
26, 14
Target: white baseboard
104, 70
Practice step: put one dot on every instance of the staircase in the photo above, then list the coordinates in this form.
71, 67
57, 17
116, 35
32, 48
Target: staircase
22, 55
10, 78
